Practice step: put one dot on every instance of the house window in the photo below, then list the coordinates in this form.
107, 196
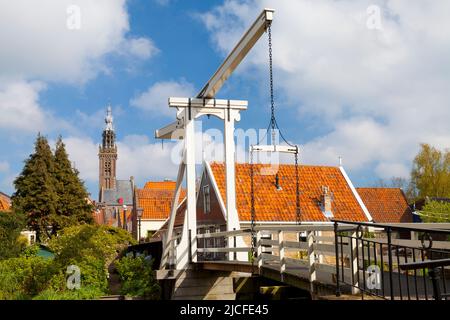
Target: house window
206, 199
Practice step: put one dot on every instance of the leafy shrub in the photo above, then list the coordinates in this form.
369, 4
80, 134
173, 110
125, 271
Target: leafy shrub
90, 247
137, 278
11, 224
102, 242
22, 278
84, 293
30, 251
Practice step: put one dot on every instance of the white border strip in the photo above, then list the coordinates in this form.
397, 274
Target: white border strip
216, 189
355, 193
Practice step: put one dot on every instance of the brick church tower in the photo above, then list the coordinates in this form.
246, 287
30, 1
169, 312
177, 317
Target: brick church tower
107, 155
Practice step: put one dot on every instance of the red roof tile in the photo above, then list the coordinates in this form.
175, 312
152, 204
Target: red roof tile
160, 185
279, 205
386, 204
5, 204
156, 199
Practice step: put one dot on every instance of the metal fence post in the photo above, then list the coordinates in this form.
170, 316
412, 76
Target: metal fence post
391, 282
434, 275
259, 251
234, 245
281, 252
336, 248
311, 259
354, 252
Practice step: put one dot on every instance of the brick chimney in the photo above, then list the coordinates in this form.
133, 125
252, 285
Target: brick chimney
326, 201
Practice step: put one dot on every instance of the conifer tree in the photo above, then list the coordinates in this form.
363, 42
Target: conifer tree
72, 207
35, 190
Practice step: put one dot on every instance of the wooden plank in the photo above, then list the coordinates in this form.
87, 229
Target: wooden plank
296, 245
269, 257
223, 234
223, 249
273, 148
177, 102
290, 262
302, 228
267, 242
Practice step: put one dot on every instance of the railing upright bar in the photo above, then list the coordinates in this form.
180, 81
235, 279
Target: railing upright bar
407, 275
382, 271
443, 281
336, 247
424, 276
363, 264
399, 273
391, 282
342, 259
259, 255
312, 260
415, 275
281, 252
234, 245
375, 262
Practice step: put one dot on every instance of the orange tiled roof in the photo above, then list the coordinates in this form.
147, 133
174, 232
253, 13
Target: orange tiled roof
5, 204
386, 204
160, 185
156, 199
279, 205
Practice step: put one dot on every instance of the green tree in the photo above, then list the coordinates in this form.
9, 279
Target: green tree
137, 278
35, 190
10, 226
72, 206
92, 248
430, 175
435, 211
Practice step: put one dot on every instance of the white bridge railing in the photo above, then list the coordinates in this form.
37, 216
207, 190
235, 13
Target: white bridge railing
311, 253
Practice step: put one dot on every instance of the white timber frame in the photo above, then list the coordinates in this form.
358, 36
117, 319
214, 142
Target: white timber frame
183, 128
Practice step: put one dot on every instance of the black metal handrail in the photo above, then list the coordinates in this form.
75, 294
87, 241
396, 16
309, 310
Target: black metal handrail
398, 270
435, 267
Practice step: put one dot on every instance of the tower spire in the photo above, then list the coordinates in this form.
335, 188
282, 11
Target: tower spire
108, 154
109, 119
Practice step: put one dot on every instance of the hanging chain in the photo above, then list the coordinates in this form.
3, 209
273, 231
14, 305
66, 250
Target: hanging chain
297, 191
253, 213
272, 99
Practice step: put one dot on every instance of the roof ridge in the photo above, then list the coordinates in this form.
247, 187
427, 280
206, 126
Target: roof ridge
280, 164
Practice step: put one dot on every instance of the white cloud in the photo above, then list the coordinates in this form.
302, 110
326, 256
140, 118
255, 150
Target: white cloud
154, 99
36, 41
377, 93
19, 106
142, 48
83, 154
137, 157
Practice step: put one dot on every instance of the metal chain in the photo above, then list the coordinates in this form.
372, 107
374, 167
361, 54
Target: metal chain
272, 99
253, 212
297, 193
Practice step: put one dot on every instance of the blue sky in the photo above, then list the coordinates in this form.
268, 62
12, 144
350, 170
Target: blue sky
346, 84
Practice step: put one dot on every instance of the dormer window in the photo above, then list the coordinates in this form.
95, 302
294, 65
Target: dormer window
206, 199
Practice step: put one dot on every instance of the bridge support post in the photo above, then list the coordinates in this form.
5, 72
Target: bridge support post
190, 183
259, 251
311, 259
281, 252
355, 249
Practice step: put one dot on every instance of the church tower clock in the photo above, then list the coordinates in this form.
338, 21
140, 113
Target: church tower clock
107, 154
